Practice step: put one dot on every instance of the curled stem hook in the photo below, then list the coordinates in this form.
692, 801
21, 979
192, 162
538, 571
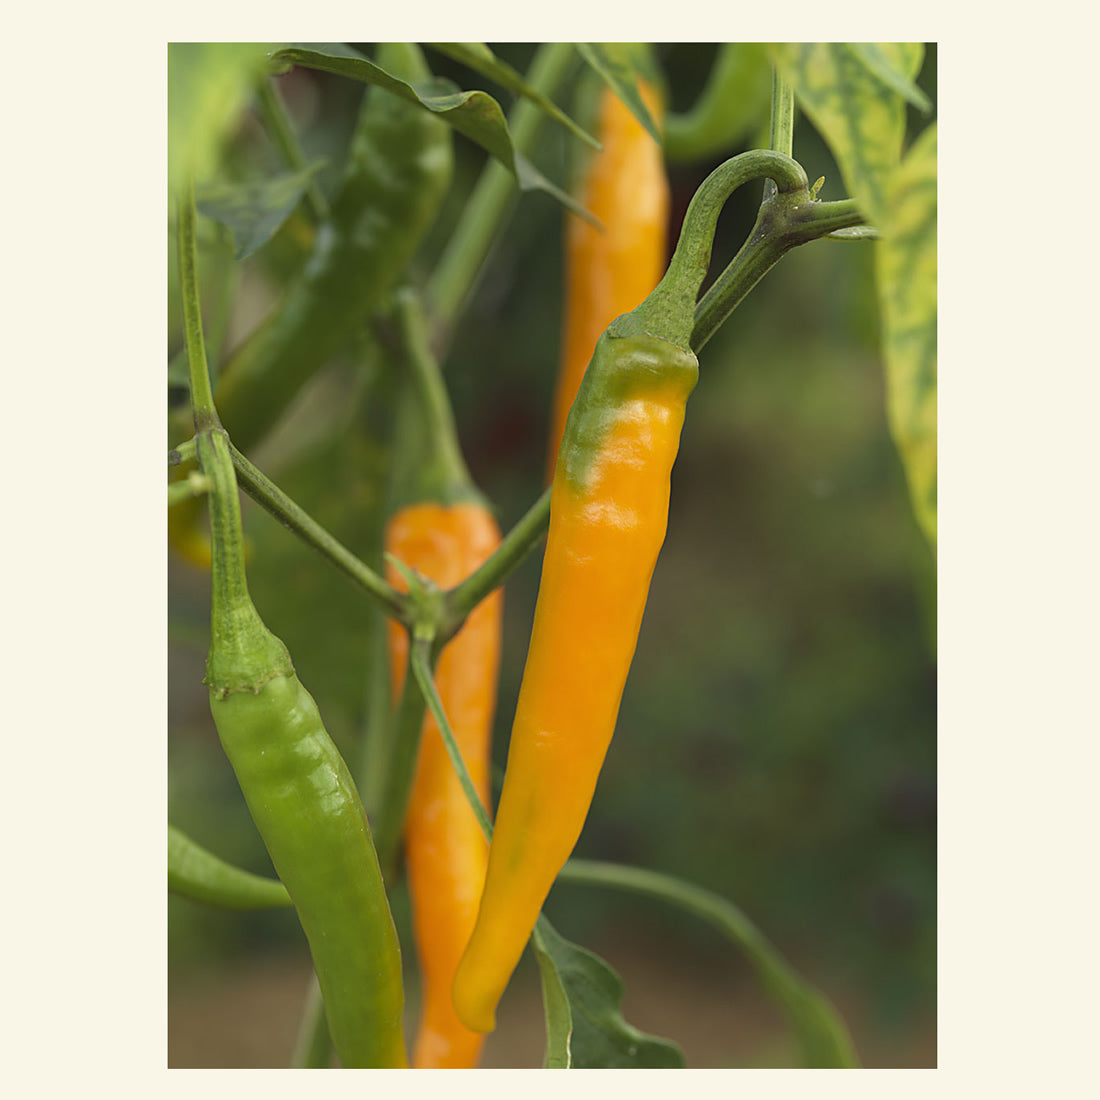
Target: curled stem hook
669, 311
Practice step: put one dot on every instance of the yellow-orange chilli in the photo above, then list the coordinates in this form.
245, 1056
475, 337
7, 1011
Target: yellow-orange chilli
445, 851
609, 272
608, 515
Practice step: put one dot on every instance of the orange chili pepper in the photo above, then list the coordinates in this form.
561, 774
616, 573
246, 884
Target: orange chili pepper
443, 530
609, 272
608, 515
445, 851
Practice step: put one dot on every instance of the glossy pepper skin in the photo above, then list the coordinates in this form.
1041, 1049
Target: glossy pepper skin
609, 272
445, 851
608, 514
302, 798
399, 167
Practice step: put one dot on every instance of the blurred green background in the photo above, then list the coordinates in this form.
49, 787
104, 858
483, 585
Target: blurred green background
777, 738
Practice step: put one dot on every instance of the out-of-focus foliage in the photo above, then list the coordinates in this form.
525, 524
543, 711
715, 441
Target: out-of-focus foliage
907, 290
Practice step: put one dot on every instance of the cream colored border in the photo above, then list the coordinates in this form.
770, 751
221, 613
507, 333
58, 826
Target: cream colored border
84, 96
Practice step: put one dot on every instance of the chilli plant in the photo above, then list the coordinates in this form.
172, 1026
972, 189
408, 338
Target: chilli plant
340, 214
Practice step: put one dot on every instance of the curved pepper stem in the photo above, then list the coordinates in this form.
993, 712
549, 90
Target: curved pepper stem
669, 311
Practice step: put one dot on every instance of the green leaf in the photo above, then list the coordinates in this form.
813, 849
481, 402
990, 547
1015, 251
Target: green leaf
906, 273
476, 115
478, 56
254, 212
208, 86
555, 1003
824, 1042
855, 233
880, 60
585, 1028
620, 64
864, 127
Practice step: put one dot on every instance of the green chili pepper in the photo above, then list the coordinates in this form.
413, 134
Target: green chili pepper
195, 873
399, 167
301, 796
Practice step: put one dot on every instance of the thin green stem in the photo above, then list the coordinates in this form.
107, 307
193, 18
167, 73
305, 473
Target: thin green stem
781, 132
513, 548
313, 1047
185, 452
277, 120
710, 907
242, 650
489, 205
780, 124
273, 500
435, 705
758, 255
823, 1035
194, 485
224, 278
780, 226
809, 223
668, 312
401, 768
235, 625
202, 394
436, 469
425, 372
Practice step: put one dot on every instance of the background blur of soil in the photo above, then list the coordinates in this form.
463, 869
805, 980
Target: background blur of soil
247, 1016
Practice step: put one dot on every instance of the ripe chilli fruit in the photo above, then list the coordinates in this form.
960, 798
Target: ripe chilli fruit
445, 852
